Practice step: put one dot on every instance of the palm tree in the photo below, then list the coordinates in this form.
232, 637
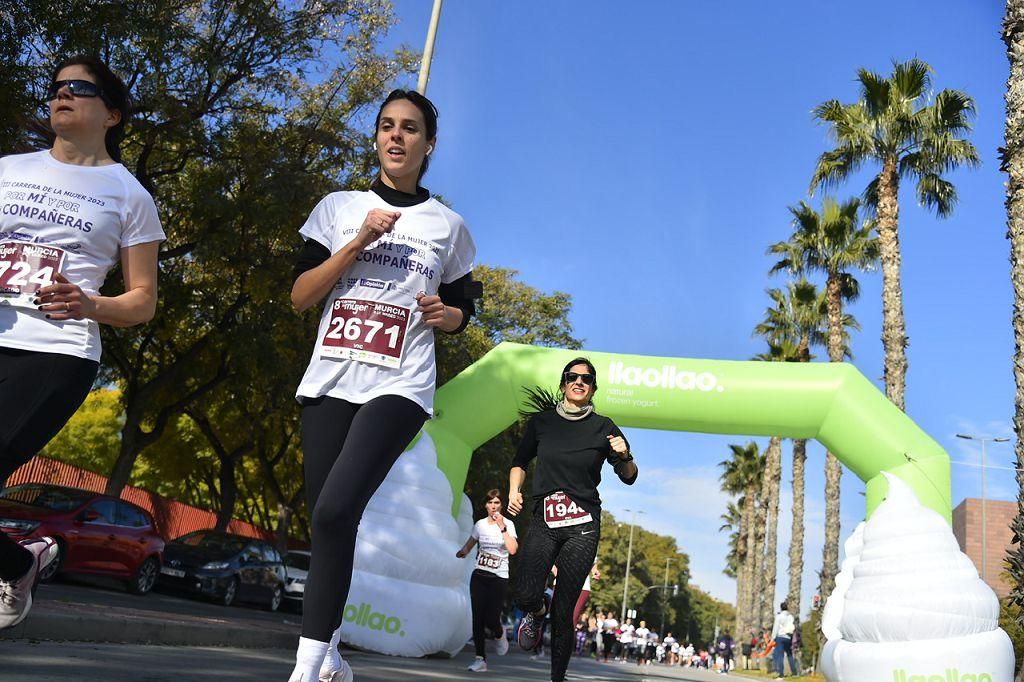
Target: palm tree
1013, 165
898, 126
732, 520
741, 475
834, 242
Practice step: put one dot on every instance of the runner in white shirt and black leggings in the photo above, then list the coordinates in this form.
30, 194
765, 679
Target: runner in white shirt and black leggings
497, 540
68, 214
571, 444
391, 265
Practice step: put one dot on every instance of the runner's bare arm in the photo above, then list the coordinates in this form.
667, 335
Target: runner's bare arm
516, 476
511, 544
466, 547
64, 300
312, 285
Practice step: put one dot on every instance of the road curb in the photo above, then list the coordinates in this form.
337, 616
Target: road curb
132, 629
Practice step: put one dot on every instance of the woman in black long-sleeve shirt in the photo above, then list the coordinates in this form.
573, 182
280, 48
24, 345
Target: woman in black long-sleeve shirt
571, 444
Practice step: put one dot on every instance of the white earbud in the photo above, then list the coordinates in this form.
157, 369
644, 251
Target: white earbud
374, 146
429, 149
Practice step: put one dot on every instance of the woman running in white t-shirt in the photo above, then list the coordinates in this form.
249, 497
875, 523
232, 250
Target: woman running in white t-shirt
497, 540
391, 266
68, 214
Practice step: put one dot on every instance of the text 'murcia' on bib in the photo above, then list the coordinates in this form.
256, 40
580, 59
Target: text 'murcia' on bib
366, 331
560, 510
25, 268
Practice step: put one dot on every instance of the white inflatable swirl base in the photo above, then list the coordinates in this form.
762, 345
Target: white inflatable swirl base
911, 607
410, 594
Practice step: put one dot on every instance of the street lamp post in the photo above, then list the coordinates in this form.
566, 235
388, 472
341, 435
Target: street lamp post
984, 526
664, 595
629, 556
428, 48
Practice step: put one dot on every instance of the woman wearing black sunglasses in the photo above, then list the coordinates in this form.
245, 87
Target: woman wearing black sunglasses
571, 444
67, 215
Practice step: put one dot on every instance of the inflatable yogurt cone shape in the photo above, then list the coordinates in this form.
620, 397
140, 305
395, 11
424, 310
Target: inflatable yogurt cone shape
914, 608
410, 594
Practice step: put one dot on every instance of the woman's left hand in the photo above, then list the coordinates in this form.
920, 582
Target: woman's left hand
432, 310
64, 300
618, 444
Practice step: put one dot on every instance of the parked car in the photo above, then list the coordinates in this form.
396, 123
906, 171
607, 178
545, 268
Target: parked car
297, 562
95, 534
224, 567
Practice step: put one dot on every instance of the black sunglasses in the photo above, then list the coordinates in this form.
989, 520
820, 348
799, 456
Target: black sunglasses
77, 87
571, 377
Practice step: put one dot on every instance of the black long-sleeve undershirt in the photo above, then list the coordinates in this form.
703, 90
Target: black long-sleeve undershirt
569, 456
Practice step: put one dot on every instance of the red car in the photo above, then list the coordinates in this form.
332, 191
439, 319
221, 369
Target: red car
96, 533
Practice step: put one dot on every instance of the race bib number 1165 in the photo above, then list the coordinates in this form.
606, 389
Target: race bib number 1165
25, 268
366, 331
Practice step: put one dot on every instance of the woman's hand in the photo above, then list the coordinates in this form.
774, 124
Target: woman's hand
498, 519
515, 503
460, 554
433, 311
618, 445
378, 222
64, 301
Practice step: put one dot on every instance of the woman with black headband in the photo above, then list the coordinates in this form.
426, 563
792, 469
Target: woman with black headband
68, 214
571, 444
391, 265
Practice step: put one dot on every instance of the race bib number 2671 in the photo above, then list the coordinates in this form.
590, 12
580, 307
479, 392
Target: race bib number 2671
25, 268
366, 331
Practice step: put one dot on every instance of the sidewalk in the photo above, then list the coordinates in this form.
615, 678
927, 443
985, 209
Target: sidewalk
85, 622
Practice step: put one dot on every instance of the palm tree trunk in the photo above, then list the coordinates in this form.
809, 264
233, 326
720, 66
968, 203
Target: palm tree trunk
894, 330
750, 508
833, 469
796, 543
741, 570
1013, 164
757, 576
773, 476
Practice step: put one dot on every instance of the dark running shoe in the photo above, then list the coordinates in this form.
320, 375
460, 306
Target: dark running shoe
529, 632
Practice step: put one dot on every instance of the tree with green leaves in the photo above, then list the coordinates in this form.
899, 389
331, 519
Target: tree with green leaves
741, 476
898, 126
834, 242
240, 129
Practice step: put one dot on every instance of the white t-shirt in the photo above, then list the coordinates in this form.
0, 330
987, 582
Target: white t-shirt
627, 634
91, 212
641, 634
491, 553
610, 625
429, 245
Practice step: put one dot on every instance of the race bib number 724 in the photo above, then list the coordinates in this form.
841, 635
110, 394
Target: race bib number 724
366, 331
25, 268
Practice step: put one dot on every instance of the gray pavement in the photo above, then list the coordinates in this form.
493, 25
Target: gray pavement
25, 661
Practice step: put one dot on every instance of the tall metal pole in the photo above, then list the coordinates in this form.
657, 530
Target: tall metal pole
984, 524
629, 556
664, 595
428, 49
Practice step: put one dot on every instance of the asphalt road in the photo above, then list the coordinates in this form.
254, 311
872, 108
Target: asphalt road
24, 661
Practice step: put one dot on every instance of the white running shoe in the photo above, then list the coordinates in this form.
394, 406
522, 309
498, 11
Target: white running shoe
501, 645
342, 674
478, 665
16, 595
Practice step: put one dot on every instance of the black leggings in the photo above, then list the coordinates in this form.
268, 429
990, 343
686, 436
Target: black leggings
572, 549
487, 593
39, 392
348, 450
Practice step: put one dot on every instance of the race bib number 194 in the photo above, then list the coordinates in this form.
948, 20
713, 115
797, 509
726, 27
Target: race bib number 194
561, 510
366, 331
25, 268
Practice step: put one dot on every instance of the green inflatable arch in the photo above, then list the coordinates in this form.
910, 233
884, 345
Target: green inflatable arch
830, 402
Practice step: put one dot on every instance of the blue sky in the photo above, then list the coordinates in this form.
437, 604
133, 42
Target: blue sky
641, 157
